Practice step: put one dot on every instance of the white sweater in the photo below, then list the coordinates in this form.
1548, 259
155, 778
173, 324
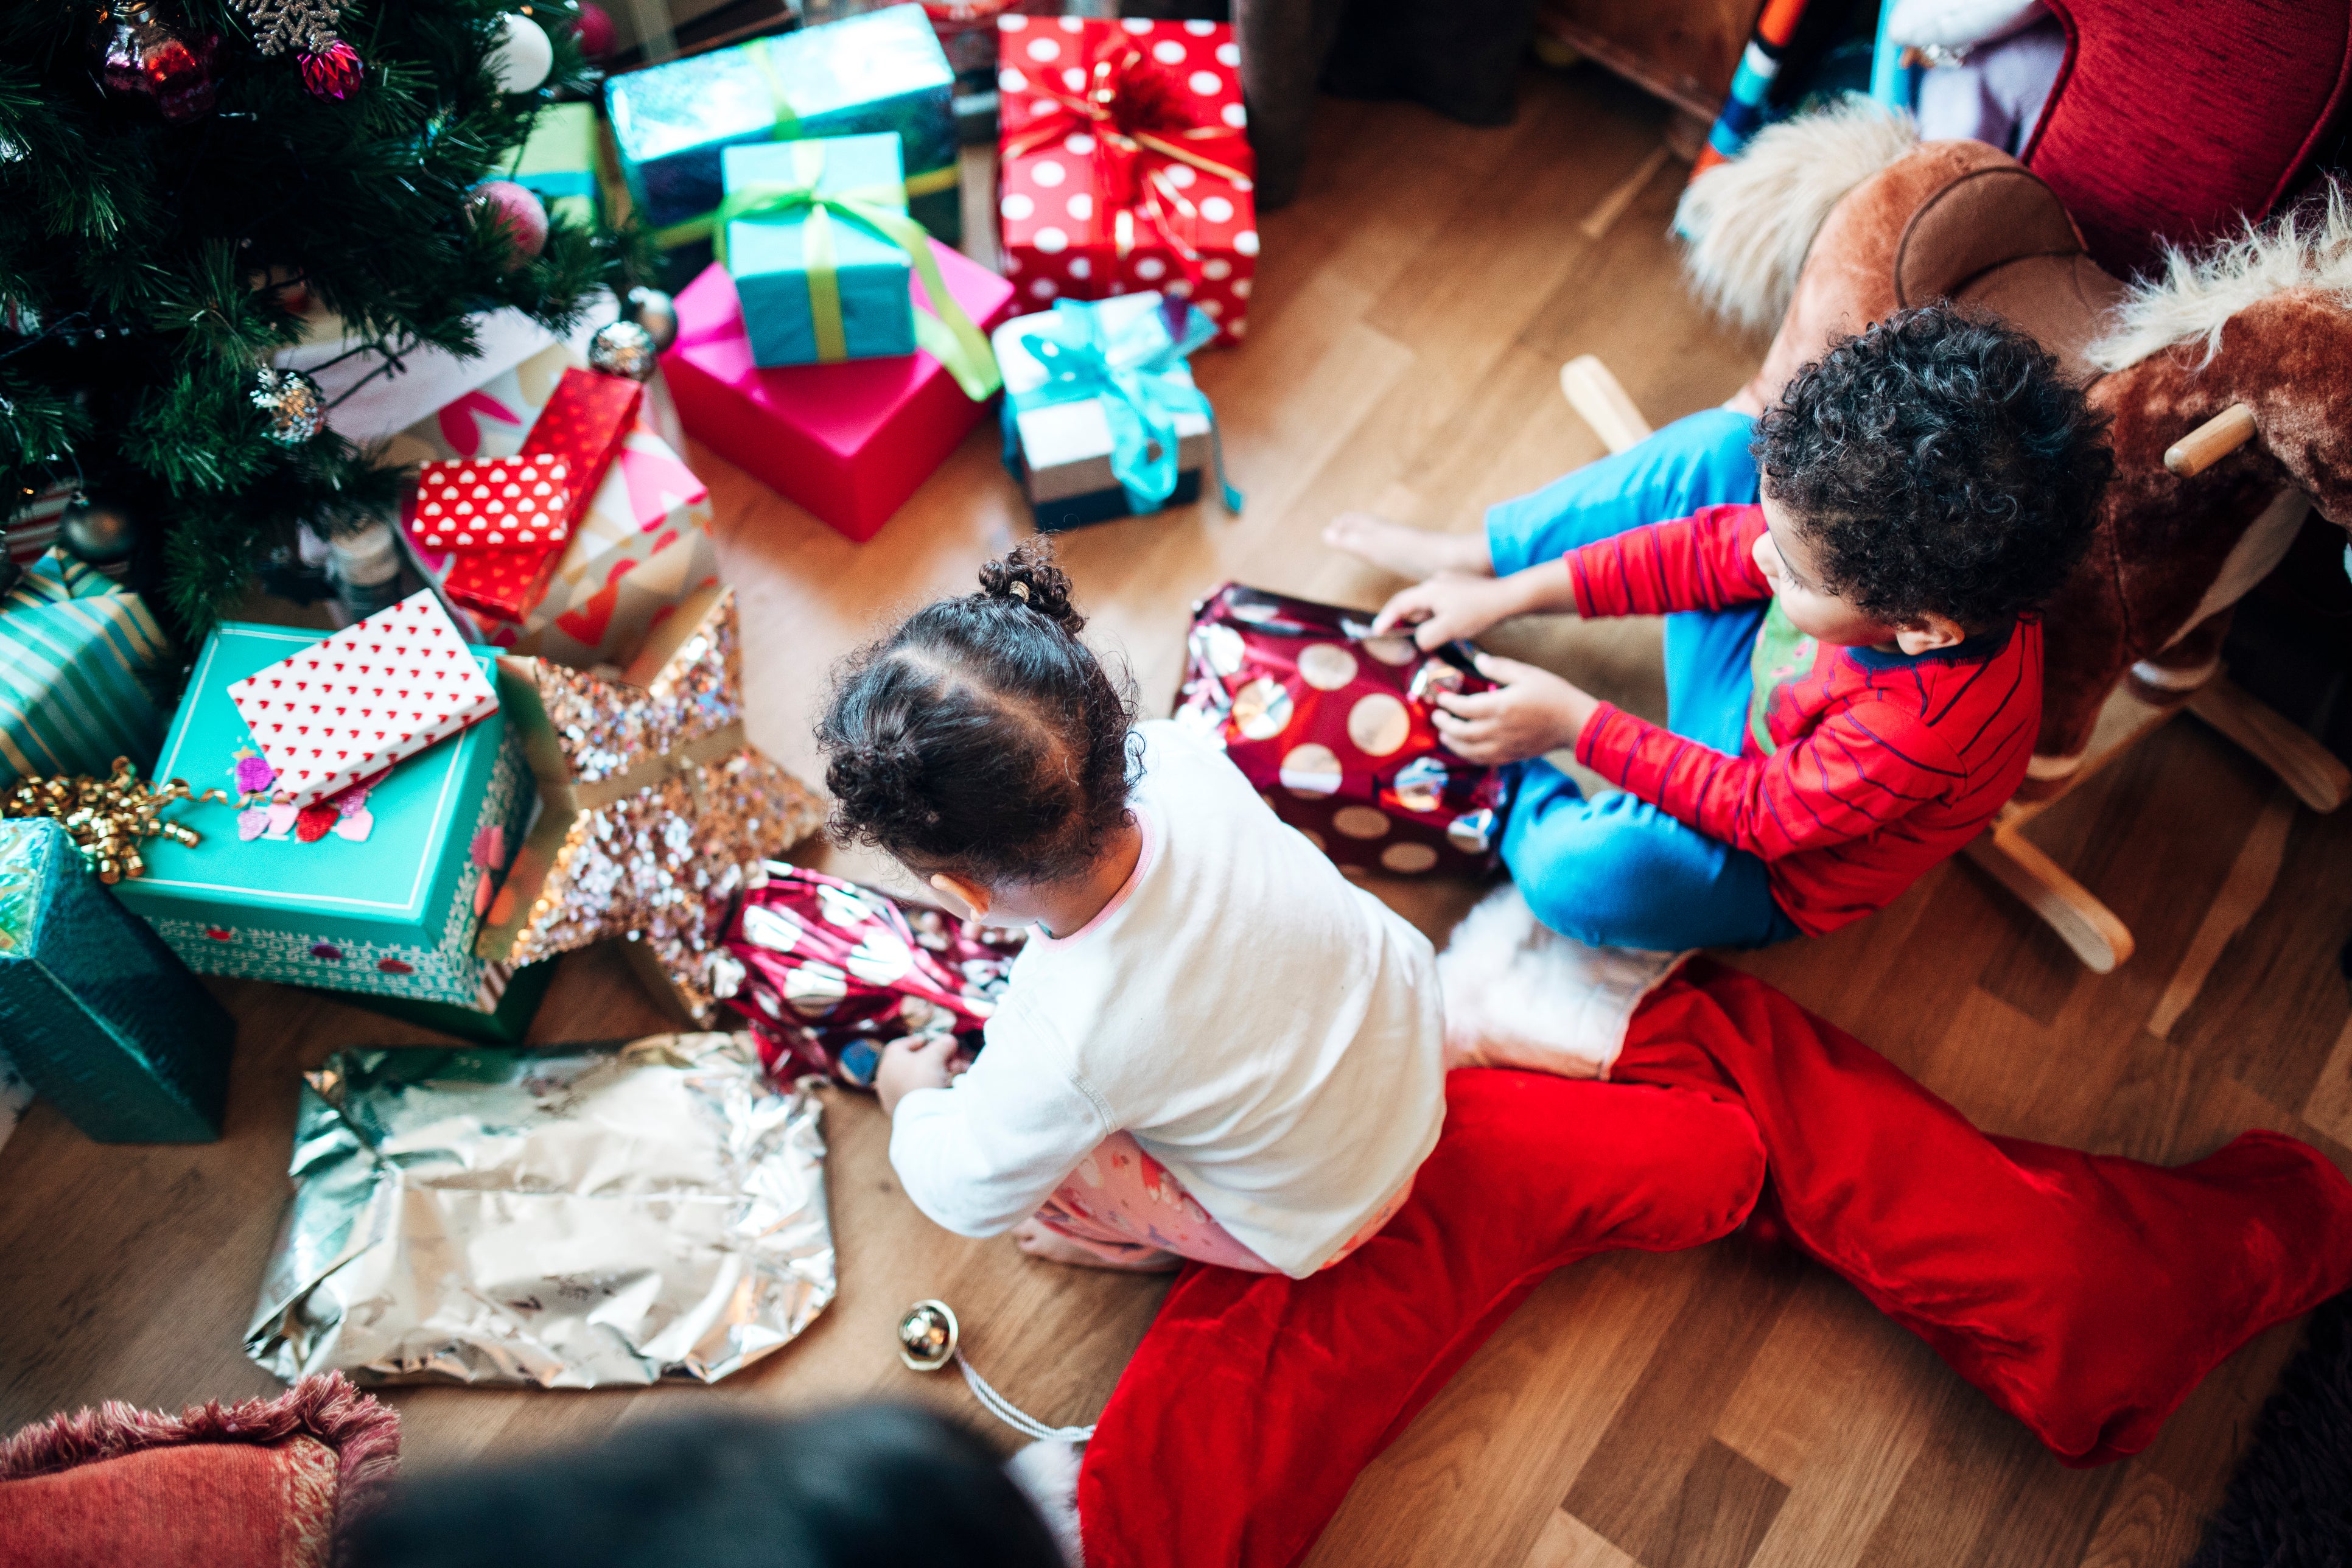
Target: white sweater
1268, 1031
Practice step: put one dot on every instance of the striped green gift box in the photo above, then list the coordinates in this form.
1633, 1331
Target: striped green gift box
77, 657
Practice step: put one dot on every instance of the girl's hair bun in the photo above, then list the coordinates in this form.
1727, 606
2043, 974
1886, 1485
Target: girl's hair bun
1027, 576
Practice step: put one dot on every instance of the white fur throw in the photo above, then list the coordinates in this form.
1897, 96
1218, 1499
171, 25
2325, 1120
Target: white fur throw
1520, 995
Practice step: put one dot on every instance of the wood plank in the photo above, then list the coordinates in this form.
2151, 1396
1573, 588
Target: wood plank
2148, 1524
1568, 1541
2251, 877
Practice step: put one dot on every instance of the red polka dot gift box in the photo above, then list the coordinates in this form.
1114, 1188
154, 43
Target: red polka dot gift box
1123, 165
1332, 725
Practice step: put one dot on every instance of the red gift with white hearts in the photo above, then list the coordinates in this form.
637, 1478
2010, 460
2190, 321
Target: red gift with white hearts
355, 703
494, 503
1122, 165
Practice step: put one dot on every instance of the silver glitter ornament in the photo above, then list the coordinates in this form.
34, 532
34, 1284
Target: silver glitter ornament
98, 532
295, 406
656, 312
624, 349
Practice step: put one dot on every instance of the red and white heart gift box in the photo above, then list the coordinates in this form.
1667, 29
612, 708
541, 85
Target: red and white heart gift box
1122, 163
355, 703
494, 503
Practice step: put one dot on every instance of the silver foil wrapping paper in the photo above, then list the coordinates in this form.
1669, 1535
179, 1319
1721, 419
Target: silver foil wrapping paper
578, 1217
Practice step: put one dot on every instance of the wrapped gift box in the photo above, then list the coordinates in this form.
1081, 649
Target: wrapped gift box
879, 71
497, 503
850, 442
559, 161
394, 913
1086, 215
1332, 726
641, 546
341, 708
96, 1011
781, 272
1070, 432
79, 658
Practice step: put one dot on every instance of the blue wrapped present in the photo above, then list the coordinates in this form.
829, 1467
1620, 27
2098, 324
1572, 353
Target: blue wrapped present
883, 71
79, 658
820, 278
96, 1011
1101, 417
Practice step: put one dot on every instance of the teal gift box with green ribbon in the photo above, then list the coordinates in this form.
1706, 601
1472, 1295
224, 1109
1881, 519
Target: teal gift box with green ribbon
819, 258
393, 914
80, 659
882, 71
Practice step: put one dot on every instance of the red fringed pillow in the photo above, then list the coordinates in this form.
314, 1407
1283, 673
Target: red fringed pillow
265, 1483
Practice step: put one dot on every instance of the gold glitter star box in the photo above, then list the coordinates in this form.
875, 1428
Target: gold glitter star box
393, 912
657, 807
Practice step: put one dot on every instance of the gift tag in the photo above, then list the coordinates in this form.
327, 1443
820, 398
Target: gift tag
380, 689
523, 503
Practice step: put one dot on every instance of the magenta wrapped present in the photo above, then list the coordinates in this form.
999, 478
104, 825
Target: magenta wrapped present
829, 972
1332, 725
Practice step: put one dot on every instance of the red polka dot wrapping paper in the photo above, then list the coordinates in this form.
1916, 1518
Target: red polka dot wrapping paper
493, 503
828, 973
352, 704
1332, 725
1059, 202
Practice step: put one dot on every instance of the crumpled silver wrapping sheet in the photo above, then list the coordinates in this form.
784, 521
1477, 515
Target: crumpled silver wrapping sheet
577, 1217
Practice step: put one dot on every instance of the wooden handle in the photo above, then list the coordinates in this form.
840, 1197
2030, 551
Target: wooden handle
1605, 403
2211, 441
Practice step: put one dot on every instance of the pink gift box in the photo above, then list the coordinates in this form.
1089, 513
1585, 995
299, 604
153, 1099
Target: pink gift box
848, 441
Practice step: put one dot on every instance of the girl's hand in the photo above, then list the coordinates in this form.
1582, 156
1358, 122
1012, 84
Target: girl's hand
908, 1066
1529, 712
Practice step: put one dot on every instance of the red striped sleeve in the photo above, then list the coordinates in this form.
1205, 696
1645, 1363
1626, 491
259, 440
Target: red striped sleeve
1862, 768
1704, 562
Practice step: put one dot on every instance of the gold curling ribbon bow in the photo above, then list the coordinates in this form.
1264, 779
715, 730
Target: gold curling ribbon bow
944, 331
1133, 160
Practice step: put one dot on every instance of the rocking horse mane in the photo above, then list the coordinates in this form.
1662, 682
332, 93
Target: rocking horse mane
2309, 246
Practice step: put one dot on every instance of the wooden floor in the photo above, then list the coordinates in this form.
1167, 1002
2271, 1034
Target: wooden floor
1718, 1407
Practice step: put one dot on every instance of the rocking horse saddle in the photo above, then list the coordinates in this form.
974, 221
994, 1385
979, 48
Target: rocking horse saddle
1958, 220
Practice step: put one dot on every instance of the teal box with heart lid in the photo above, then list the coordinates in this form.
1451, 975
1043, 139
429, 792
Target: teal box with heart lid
392, 913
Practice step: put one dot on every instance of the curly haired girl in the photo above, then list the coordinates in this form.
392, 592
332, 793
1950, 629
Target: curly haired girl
1213, 1046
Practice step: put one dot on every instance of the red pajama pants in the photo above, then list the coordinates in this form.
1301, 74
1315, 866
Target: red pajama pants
2086, 1295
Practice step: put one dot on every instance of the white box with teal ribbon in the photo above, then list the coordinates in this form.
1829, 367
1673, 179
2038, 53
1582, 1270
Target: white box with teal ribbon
820, 279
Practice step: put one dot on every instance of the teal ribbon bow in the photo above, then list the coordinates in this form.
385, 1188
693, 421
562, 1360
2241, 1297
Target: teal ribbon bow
944, 331
1137, 369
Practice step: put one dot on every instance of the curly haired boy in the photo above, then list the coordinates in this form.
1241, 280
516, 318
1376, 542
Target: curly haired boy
1853, 668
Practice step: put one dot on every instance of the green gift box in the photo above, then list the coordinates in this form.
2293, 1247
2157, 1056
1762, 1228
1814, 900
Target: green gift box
78, 660
883, 71
95, 1011
558, 162
393, 914
820, 279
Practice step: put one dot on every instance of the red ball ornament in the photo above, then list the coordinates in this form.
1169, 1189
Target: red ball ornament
140, 50
594, 29
504, 204
333, 71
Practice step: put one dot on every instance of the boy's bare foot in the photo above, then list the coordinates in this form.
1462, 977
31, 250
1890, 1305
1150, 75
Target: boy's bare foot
1412, 553
1033, 1238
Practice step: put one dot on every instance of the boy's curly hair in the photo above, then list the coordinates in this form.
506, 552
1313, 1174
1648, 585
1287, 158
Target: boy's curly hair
1940, 462
981, 737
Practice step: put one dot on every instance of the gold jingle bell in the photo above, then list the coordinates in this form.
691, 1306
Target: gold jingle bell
926, 1336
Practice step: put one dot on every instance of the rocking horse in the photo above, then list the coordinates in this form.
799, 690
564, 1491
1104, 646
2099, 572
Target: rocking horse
2223, 375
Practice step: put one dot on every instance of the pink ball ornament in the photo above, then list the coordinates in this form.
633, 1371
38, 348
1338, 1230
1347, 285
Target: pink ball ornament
594, 29
502, 204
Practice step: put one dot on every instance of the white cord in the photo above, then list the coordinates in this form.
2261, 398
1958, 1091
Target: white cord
1004, 1410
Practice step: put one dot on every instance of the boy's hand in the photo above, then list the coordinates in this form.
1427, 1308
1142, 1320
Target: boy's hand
908, 1066
1529, 712
1445, 609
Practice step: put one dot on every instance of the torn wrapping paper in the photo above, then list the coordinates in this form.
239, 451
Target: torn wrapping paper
578, 1217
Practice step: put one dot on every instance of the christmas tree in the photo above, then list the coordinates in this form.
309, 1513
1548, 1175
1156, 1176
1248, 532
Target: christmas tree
183, 180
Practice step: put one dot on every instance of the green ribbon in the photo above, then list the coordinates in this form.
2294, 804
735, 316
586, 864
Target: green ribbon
787, 128
1137, 369
944, 331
